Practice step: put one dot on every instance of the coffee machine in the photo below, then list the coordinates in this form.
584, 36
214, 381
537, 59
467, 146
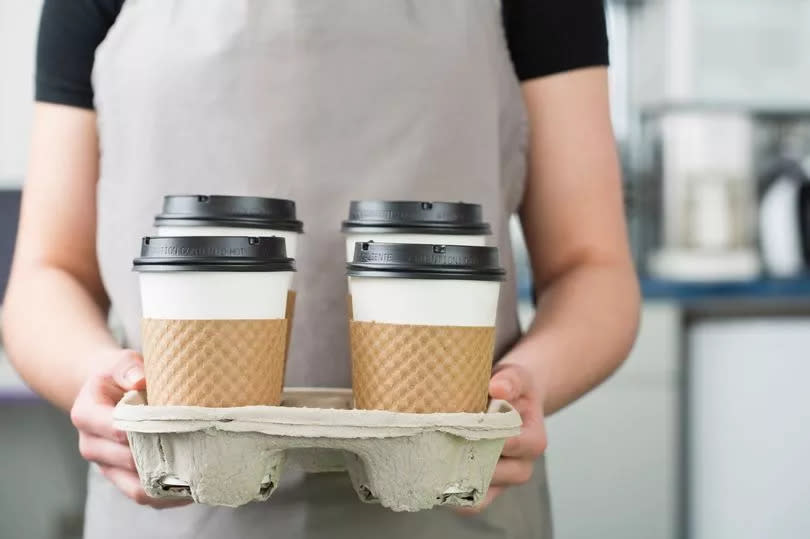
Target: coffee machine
703, 175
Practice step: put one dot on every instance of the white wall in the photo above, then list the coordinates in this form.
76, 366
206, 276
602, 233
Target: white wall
748, 52
18, 29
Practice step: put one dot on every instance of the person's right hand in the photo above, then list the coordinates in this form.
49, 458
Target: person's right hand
99, 441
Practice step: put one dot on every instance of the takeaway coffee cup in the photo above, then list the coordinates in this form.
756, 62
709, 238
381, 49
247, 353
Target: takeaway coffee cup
422, 332
219, 215
443, 223
214, 330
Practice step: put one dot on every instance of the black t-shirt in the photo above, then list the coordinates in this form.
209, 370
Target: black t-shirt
544, 37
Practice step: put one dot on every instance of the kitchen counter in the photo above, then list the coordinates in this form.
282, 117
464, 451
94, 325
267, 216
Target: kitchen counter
704, 351
761, 297
765, 289
734, 299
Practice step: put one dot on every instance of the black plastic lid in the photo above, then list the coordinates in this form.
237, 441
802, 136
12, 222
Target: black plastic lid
213, 253
220, 210
415, 217
417, 261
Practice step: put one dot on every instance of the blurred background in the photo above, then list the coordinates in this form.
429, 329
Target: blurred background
703, 433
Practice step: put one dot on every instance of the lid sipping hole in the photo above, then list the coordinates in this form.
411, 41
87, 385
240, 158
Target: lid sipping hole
146, 241
439, 249
365, 246
202, 198
253, 241
427, 205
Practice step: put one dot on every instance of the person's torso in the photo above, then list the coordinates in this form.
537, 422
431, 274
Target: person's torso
317, 101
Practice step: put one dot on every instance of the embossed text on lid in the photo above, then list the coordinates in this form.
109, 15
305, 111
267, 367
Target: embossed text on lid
213, 253
414, 261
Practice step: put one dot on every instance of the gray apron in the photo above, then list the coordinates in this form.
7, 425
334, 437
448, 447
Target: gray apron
319, 101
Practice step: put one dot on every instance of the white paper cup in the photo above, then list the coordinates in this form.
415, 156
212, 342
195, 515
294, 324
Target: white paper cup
437, 285
221, 295
214, 327
423, 326
435, 223
424, 301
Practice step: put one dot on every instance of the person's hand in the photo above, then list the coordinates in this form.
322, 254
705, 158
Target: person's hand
513, 383
99, 441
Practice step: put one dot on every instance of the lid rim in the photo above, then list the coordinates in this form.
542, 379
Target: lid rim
464, 275
211, 267
233, 222
415, 213
415, 260
483, 229
216, 253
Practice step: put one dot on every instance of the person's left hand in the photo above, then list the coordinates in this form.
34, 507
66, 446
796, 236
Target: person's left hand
513, 383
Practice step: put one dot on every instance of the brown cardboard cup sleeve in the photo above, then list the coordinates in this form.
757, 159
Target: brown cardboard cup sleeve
214, 363
421, 369
289, 314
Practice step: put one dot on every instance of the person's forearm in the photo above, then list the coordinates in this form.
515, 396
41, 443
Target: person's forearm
53, 331
585, 324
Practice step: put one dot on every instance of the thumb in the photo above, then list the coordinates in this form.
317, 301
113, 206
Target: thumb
128, 372
507, 383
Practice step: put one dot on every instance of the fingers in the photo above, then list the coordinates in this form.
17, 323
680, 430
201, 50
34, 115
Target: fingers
511, 471
128, 372
530, 444
492, 493
128, 483
94, 418
105, 452
508, 472
92, 413
99, 440
508, 383
93, 410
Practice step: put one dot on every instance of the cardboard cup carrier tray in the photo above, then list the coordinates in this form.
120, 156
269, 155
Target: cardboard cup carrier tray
233, 456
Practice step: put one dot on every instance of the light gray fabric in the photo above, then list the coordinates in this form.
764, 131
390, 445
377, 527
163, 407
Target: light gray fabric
320, 101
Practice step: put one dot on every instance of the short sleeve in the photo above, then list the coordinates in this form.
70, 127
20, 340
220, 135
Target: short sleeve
552, 36
69, 32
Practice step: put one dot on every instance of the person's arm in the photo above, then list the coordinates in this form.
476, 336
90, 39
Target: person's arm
573, 220
588, 295
54, 313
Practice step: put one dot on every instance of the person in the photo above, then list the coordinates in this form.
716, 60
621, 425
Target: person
502, 103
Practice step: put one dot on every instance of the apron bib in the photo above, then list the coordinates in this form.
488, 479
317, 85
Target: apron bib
321, 102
